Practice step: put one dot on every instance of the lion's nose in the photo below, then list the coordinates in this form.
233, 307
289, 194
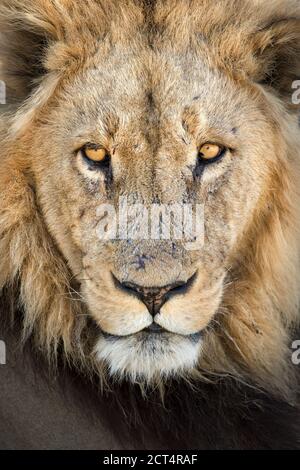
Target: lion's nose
152, 297
155, 297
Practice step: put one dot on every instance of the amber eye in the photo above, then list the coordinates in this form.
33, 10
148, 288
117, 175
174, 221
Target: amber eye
96, 156
211, 152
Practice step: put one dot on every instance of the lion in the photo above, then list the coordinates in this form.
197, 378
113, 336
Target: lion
159, 103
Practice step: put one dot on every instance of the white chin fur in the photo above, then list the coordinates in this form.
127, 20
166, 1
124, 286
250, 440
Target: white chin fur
148, 358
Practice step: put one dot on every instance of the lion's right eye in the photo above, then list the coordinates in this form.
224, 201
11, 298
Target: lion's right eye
96, 156
210, 153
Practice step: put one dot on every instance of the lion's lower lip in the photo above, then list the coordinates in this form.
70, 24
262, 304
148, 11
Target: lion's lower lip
153, 330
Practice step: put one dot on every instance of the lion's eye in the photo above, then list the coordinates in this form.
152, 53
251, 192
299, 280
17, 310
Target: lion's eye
210, 153
96, 156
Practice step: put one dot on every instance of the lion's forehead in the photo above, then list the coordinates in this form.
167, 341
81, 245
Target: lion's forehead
163, 93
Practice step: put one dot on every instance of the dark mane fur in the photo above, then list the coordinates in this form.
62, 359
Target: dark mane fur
222, 415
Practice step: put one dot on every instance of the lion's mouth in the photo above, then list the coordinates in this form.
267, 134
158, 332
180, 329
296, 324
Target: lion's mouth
152, 353
155, 331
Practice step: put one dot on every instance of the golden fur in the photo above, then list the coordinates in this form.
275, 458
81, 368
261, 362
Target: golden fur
249, 48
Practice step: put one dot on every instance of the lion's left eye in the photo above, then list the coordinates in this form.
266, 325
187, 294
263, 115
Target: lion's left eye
210, 153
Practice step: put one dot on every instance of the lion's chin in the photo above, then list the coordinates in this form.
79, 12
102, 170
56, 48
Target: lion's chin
149, 357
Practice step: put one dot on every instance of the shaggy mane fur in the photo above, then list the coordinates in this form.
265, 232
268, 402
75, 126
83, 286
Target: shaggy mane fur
45, 42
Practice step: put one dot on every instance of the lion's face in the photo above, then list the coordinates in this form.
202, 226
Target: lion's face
146, 116
156, 159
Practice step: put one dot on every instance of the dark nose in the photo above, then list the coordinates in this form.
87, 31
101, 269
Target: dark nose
155, 297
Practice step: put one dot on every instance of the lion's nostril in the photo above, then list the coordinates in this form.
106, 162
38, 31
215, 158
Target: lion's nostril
155, 297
